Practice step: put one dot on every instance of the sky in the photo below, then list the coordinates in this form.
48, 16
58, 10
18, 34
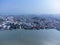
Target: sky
29, 6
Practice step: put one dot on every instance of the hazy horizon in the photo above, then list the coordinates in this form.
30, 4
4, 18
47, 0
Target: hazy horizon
29, 7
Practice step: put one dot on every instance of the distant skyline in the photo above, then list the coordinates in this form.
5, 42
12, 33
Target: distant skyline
29, 7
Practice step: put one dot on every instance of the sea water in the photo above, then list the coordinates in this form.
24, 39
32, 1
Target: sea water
30, 37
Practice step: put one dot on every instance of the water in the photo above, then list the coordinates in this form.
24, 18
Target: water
30, 37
